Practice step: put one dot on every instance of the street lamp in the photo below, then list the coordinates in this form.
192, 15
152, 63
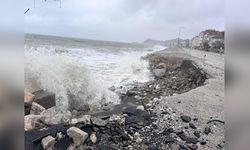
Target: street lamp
178, 42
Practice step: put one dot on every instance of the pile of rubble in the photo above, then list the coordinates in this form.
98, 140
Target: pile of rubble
138, 126
173, 76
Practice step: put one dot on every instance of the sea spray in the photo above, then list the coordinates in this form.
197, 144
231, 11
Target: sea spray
61, 74
85, 72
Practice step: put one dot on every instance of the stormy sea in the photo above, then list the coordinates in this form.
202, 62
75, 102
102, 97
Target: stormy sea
93, 71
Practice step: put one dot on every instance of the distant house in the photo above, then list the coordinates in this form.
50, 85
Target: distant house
210, 40
169, 43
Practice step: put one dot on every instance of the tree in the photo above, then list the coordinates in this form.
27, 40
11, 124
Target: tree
206, 46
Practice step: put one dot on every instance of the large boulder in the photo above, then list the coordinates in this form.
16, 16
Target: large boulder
160, 70
53, 117
36, 109
32, 122
77, 135
98, 121
45, 98
48, 143
28, 97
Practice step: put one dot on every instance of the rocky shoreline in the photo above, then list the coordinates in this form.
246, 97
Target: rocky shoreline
138, 122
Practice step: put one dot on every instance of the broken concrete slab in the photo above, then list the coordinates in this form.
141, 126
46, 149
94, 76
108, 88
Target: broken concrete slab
28, 97
48, 142
77, 135
52, 117
36, 109
32, 122
98, 122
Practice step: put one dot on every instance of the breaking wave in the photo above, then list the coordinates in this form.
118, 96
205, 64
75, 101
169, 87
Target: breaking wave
85, 73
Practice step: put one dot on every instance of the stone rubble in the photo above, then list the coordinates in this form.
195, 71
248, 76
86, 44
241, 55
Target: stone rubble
36, 109
48, 143
28, 97
85, 119
98, 121
77, 135
32, 122
93, 138
140, 126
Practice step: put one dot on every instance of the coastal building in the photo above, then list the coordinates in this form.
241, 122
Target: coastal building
210, 40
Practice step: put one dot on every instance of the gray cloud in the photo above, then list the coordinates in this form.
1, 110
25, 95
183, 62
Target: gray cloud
124, 20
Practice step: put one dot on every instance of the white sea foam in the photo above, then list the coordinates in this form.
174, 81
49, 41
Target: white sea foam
84, 72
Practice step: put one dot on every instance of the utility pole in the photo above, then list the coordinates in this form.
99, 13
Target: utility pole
179, 35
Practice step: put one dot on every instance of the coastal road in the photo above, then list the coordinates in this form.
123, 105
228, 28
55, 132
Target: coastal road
210, 58
205, 102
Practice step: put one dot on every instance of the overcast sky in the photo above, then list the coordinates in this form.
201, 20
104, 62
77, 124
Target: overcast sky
124, 20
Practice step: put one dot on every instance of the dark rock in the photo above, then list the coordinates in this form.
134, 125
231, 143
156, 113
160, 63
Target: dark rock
197, 134
193, 146
63, 143
183, 147
153, 147
170, 130
178, 131
207, 130
81, 106
195, 119
105, 147
27, 108
86, 128
193, 140
45, 98
134, 119
169, 139
112, 88
125, 144
203, 142
117, 130
130, 93
165, 112
221, 145
182, 136
32, 138
130, 110
185, 118
192, 125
